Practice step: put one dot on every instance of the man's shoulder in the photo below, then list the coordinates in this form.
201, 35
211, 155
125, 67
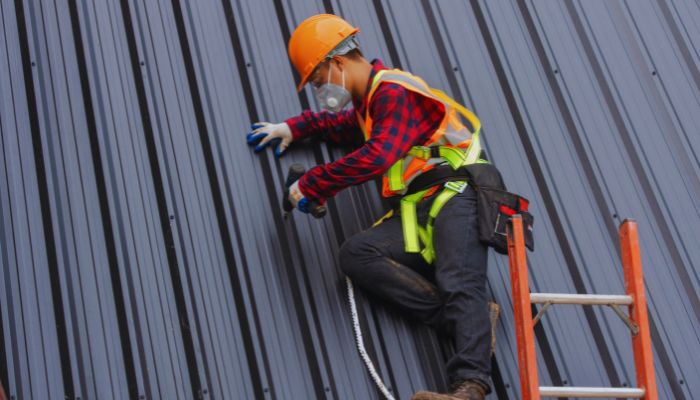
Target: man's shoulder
389, 92
389, 89
387, 95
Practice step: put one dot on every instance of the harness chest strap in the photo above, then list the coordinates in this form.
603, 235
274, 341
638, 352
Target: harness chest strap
454, 156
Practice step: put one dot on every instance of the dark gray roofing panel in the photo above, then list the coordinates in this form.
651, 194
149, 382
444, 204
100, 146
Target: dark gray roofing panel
143, 250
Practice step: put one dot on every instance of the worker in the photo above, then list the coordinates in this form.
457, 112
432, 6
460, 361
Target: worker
432, 267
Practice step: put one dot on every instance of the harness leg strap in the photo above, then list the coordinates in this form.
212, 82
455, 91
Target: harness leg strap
409, 221
413, 233
451, 189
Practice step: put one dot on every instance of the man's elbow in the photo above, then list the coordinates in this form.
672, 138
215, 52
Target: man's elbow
382, 164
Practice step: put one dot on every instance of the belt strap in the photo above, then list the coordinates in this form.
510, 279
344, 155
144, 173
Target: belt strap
437, 176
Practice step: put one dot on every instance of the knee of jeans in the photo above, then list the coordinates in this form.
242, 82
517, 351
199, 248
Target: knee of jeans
351, 253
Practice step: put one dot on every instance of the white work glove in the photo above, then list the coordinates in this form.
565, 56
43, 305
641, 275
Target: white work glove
265, 133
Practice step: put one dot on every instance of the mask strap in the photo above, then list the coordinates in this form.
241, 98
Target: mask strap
328, 80
330, 65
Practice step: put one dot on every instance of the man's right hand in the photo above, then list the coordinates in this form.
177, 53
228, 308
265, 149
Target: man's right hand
265, 133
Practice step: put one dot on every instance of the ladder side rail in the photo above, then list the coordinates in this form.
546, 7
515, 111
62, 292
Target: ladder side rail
524, 334
634, 286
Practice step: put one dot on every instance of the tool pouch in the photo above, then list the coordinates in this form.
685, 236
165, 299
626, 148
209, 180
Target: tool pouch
495, 206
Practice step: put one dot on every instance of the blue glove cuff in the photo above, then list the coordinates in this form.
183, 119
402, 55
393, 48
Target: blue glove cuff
303, 205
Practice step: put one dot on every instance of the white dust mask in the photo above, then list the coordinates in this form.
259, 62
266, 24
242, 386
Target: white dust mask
331, 96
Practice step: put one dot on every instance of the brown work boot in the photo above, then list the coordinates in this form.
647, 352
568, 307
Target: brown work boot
467, 390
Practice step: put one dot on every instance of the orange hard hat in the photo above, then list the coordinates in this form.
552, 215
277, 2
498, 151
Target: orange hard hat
313, 39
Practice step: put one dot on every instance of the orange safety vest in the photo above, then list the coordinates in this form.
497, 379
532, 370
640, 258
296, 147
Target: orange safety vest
451, 135
457, 144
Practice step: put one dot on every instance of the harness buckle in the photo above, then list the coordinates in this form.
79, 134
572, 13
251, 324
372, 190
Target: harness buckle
456, 186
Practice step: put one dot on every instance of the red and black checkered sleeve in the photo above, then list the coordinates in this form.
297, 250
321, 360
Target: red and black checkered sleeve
401, 119
336, 127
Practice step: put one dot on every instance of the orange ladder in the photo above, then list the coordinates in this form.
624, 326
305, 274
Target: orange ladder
637, 320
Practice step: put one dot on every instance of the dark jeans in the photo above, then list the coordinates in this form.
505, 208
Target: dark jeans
449, 295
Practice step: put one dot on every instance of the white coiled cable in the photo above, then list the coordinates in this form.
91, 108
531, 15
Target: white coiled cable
361, 345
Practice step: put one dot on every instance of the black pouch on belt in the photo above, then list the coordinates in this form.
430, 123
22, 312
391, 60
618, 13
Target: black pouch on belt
495, 206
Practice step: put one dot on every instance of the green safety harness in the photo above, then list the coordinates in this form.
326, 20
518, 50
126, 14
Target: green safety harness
413, 233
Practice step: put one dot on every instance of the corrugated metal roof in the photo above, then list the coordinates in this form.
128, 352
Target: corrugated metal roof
143, 253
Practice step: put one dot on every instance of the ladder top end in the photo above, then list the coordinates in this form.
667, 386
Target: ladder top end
628, 221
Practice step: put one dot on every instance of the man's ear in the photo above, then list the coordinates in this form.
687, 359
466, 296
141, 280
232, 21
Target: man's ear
340, 62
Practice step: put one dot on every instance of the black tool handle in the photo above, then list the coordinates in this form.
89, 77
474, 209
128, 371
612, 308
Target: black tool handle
296, 171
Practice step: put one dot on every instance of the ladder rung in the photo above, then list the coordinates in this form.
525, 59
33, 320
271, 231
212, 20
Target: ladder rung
591, 392
587, 299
